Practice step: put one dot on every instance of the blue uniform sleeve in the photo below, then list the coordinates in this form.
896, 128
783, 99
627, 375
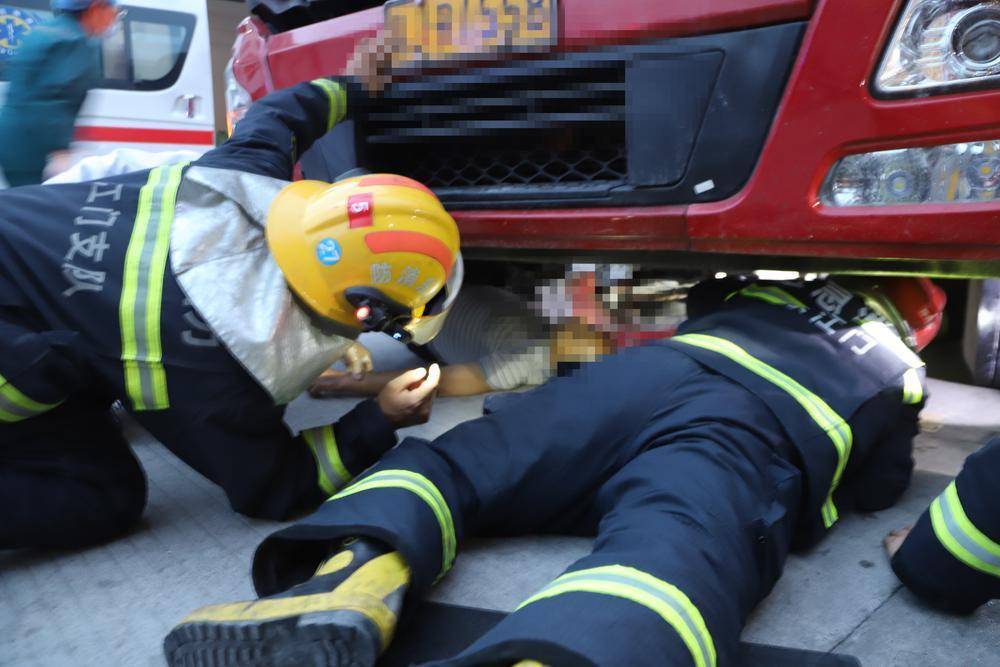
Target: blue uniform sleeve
709, 295
880, 478
267, 472
951, 558
280, 127
344, 450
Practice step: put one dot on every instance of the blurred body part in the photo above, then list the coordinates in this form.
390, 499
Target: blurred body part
114, 163
951, 557
697, 461
50, 75
491, 342
205, 297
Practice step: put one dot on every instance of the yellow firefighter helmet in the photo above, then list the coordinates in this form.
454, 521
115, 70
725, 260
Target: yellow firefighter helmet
371, 253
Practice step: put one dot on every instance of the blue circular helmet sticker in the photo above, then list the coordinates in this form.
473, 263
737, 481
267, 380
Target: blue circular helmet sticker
328, 251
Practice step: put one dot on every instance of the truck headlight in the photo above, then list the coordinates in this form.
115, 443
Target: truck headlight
942, 44
952, 173
238, 100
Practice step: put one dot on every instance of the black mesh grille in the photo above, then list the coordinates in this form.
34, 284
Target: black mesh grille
453, 168
640, 124
527, 123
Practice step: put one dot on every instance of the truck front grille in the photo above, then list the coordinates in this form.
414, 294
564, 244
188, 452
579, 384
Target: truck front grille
530, 123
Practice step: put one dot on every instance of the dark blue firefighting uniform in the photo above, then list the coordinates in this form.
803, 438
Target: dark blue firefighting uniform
951, 558
83, 323
696, 461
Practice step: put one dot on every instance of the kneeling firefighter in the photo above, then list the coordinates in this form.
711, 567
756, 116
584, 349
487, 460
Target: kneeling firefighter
204, 297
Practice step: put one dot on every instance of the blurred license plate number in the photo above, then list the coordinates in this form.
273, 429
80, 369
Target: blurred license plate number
442, 29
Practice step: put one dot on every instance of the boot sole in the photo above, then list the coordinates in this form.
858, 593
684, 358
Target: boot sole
298, 641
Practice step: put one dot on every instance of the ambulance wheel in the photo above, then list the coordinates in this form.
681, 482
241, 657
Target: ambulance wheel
982, 332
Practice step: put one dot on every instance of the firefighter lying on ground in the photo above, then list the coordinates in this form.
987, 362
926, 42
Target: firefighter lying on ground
951, 557
165, 290
698, 461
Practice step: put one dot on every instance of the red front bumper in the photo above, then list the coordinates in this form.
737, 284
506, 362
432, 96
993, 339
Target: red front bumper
827, 111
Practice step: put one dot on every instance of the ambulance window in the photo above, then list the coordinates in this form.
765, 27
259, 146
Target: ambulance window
148, 51
163, 44
114, 57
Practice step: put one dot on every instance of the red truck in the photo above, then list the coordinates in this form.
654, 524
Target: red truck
823, 135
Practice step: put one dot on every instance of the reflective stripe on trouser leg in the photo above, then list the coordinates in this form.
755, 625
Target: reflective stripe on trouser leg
141, 301
331, 470
660, 597
16, 406
338, 100
424, 489
831, 423
960, 536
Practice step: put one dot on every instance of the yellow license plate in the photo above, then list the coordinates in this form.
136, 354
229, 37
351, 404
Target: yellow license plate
448, 29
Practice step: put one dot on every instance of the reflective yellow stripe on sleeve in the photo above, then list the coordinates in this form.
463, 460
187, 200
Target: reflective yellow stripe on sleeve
424, 489
16, 406
959, 535
139, 310
330, 468
838, 430
769, 294
913, 390
660, 597
337, 96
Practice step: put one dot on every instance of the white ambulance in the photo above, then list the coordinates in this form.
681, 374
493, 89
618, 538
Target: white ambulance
156, 93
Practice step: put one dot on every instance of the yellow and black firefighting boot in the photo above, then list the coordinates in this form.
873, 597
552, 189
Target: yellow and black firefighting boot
344, 616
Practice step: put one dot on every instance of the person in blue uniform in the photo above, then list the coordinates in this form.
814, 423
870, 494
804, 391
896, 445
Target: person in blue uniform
49, 76
951, 557
158, 289
698, 462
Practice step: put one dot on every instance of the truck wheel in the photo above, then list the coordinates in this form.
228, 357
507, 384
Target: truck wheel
982, 332
282, 15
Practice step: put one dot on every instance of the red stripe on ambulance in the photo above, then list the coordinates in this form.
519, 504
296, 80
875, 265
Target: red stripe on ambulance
143, 135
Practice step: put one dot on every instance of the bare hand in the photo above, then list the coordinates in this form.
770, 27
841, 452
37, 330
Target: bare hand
407, 400
358, 360
372, 61
894, 540
58, 162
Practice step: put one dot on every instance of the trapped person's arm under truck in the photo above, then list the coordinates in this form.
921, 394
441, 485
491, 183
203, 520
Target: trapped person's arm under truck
697, 462
491, 342
164, 289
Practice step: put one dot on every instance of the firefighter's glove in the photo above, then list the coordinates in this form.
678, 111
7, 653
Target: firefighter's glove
407, 400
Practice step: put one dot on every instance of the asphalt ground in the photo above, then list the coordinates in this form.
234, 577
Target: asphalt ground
113, 604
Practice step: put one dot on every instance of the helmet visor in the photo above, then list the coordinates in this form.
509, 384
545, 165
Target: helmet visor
423, 329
